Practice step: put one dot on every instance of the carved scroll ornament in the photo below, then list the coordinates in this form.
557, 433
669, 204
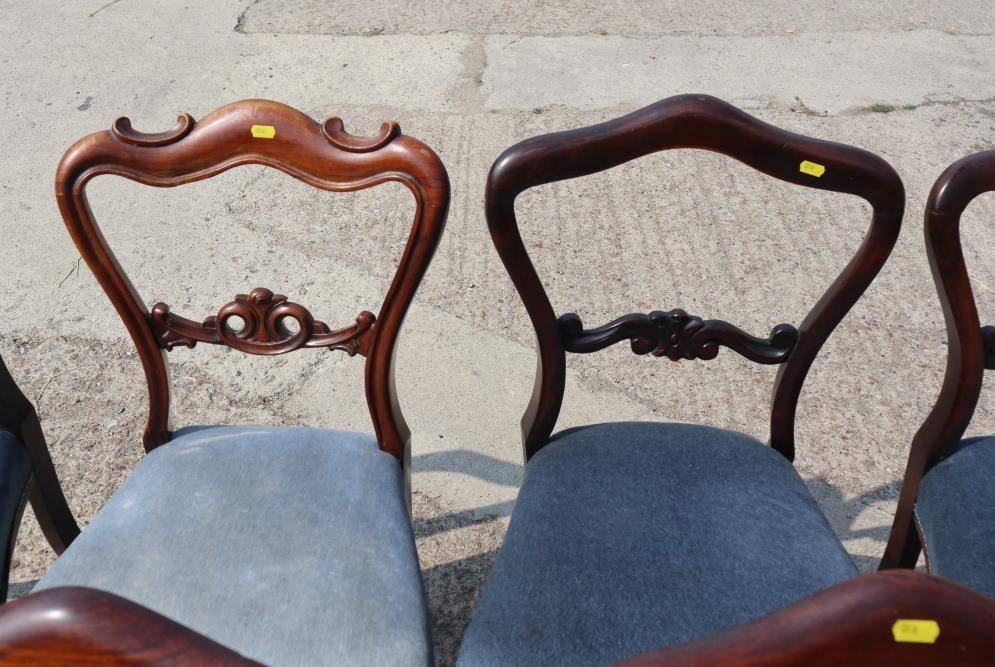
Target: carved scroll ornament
264, 329
677, 335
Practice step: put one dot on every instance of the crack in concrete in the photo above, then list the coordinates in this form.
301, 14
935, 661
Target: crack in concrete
240, 22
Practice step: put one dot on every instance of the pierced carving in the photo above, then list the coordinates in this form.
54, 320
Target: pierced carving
264, 329
122, 130
677, 335
334, 131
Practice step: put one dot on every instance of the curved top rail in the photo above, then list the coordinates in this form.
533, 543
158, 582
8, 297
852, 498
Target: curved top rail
961, 182
245, 132
699, 121
884, 618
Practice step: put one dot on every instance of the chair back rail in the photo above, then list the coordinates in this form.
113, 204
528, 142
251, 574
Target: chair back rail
970, 348
884, 618
75, 625
688, 121
321, 155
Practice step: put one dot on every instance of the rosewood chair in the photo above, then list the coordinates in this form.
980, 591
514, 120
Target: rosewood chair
285, 545
947, 503
630, 536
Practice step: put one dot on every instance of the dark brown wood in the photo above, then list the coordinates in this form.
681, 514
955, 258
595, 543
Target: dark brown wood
968, 347
853, 624
677, 335
277, 136
18, 416
690, 121
83, 626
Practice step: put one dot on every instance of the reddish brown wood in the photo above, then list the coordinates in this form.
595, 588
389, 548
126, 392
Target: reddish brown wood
967, 351
851, 624
18, 416
689, 121
264, 330
323, 156
83, 626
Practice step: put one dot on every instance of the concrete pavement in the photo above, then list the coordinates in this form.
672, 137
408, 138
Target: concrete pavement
685, 229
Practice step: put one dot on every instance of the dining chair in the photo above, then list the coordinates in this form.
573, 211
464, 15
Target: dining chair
946, 507
631, 536
285, 545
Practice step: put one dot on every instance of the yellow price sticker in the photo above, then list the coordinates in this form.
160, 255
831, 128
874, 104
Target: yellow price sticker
915, 631
811, 168
263, 131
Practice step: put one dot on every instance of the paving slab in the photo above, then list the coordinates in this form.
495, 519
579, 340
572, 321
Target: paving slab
681, 229
639, 17
814, 72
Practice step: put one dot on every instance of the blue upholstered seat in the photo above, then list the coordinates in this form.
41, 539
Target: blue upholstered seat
631, 536
291, 546
956, 514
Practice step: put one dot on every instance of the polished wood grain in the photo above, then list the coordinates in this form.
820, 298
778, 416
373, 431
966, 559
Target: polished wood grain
852, 624
969, 346
18, 417
324, 156
83, 626
690, 121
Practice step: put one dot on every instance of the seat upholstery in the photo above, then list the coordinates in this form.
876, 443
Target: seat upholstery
291, 546
631, 536
956, 514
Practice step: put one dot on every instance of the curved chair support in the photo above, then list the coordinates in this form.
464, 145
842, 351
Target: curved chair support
967, 353
19, 418
72, 626
690, 121
324, 156
886, 618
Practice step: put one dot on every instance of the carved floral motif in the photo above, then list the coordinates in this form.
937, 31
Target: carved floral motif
677, 335
264, 329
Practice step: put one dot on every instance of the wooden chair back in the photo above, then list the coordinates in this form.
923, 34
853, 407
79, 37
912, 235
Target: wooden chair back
688, 121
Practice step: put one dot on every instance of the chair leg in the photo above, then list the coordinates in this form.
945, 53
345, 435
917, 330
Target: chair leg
52, 511
11, 541
904, 545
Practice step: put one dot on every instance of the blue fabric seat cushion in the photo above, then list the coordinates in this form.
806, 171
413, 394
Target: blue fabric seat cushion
291, 546
627, 537
956, 514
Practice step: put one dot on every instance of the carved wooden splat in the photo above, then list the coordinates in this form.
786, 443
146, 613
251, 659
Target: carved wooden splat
677, 335
264, 329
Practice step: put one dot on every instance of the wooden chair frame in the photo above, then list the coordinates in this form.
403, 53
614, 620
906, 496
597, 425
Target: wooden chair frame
688, 121
856, 623
853, 623
971, 347
321, 155
18, 417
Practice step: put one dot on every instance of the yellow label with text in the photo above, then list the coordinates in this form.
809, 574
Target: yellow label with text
263, 131
811, 168
915, 631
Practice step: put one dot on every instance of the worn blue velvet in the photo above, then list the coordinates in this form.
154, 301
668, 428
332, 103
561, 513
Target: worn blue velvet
956, 514
631, 536
291, 546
